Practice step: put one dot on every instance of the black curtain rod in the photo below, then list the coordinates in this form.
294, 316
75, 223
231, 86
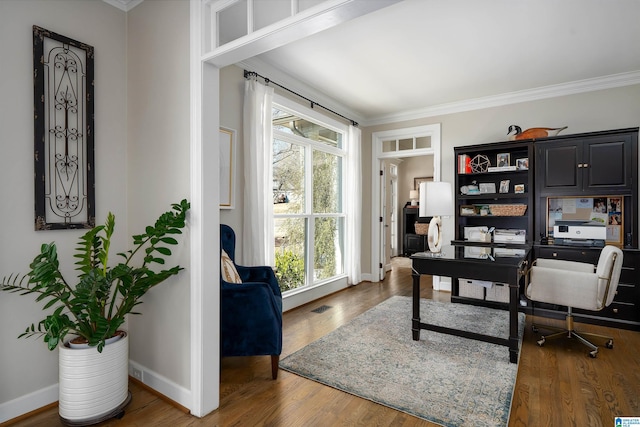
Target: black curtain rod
249, 74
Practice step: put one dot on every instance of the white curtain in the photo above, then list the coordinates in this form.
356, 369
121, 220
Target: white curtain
257, 233
353, 207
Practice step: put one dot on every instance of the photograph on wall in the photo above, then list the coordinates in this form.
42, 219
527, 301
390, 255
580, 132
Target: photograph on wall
420, 180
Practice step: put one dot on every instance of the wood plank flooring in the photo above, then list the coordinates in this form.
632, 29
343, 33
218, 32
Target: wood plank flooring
557, 385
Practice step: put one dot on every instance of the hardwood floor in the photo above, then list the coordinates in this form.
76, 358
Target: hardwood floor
557, 385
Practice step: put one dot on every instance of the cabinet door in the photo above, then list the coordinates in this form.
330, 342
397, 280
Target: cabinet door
558, 165
607, 162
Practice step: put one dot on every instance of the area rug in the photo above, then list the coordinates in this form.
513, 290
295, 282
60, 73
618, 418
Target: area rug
444, 379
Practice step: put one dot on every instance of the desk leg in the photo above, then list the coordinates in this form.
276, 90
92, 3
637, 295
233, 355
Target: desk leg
513, 323
415, 321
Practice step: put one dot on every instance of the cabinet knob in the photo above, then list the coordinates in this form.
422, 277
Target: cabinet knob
555, 254
615, 310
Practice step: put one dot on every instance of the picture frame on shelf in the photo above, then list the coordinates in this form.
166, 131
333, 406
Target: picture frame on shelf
503, 159
504, 186
487, 188
522, 164
518, 188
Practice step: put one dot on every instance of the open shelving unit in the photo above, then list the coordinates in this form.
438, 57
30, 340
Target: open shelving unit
474, 210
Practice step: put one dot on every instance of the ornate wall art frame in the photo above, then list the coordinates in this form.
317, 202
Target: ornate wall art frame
63, 79
227, 167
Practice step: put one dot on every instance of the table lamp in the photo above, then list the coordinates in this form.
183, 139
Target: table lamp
436, 200
414, 195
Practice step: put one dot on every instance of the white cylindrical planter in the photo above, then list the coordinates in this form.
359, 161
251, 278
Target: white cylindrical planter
93, 386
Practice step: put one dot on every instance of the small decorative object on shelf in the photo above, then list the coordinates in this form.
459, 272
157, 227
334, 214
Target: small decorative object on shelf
518, 188
515, 132
480, 163
504, 186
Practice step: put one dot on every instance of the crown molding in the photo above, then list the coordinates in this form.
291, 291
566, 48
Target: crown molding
553, 91
124, 5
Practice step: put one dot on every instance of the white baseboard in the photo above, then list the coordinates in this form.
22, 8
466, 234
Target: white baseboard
161, 384
43, 397
29, 402
305, 294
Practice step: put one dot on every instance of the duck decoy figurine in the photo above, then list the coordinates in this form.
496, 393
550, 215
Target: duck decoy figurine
515, 132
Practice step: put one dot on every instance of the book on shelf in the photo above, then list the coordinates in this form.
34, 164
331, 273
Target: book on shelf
464, 164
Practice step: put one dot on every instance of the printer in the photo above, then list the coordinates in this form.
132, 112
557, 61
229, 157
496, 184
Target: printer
580, 233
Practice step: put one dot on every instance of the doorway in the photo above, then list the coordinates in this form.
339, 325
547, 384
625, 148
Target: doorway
387, 146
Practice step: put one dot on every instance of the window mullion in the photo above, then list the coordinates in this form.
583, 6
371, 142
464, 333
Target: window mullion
308, 182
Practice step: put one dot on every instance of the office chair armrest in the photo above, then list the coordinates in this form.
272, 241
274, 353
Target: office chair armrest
565, 265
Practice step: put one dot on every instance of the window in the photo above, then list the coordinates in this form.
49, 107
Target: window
309, 220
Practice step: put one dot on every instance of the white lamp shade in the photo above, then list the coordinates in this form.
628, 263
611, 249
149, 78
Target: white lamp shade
414, 195
436, 199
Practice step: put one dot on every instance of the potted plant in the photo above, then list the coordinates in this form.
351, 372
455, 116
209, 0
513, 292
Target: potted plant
93, 380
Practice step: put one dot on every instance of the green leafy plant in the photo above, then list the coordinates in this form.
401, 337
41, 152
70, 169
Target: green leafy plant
289, 270
96, 307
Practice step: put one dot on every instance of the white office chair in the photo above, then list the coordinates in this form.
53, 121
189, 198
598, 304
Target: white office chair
576, 285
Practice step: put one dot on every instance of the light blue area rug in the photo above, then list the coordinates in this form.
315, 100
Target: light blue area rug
444, 379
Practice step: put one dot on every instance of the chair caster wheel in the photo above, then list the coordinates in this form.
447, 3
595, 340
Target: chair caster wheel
609, 344
541, 342
593, 354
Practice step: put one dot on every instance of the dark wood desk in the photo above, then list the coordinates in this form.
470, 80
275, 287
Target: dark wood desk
453, 263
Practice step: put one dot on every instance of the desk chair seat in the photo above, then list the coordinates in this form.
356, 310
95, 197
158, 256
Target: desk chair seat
576, 285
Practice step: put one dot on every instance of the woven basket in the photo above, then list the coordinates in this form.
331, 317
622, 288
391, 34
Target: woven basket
507, 210
422, 228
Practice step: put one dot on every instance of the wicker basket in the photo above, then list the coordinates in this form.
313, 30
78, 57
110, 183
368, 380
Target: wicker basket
422, 228
508, 210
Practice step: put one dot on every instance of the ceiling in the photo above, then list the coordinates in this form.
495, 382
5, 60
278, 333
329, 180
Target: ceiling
425, 57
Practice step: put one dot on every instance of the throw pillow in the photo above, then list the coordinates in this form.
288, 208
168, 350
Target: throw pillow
229, 272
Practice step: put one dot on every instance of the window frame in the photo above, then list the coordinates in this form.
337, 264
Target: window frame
308, 214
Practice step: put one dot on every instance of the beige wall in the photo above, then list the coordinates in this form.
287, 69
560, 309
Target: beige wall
158, 107
231, 102
26, 366
142, 146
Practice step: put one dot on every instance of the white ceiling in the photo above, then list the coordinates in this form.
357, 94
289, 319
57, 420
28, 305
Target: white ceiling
425, 57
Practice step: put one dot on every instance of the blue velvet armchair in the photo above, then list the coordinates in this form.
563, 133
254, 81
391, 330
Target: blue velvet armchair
251, 311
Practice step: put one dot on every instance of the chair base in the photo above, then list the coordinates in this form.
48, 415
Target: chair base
569, 332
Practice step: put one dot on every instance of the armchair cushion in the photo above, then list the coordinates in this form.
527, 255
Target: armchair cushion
228, 269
